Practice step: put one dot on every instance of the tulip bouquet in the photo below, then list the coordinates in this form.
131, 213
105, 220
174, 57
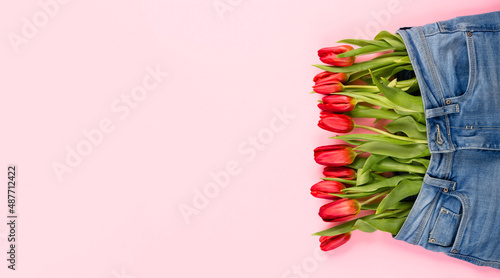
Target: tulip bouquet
371, 179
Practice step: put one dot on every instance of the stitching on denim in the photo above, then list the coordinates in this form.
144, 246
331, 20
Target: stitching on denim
463, 223
440, 27
431, 65
448, 131
442, 211
441, 111
439, 139
477, 261
472, 70
476, 127
481, 148
473, 29
437, 84
449, 162
441, 183
426, 218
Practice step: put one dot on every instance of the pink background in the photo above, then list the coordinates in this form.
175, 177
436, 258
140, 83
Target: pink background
116, 211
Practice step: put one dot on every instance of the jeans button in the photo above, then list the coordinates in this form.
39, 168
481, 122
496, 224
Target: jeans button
432, 240
448, 101
454, 251
445, 190
469, 34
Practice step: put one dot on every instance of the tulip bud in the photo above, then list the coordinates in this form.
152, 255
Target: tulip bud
339, 210
328, 55
327, 88
339, 172
334, 155
337, 103
338, 123
328, 243
323, 188
327, 76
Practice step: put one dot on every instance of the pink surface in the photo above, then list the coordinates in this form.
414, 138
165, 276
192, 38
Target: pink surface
143, 105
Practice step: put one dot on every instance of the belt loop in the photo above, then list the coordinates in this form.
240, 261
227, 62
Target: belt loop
440, 111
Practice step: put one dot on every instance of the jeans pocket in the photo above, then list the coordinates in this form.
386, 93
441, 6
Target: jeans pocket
455, 61
445, 229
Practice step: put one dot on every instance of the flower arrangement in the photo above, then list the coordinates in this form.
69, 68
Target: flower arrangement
376, 173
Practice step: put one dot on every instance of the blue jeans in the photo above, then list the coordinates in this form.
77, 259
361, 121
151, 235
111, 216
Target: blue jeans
457, 211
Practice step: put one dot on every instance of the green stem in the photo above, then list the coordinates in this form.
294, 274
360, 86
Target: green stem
392, 135
361, 87
361, 111
351, 182
389, 213
376, 196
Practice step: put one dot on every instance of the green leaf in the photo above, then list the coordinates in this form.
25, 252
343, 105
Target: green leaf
391, 165
363, 177
371, 64
372, 160
355, 142
405, 59
401, 68
404, 189
369, 49
356, 195
422, 161
397, 53
395, 43
363, 42
390, 225
337, 230
393, 150
390, 38
363, 226
351, 182
377, 178
369, 207
418, 116
371, 138
408, 126
370, 98
396, 206
402, 84
399, 97
361, 111
357, 163
388, 183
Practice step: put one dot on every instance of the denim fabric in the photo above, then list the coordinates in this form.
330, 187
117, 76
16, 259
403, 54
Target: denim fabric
458, 69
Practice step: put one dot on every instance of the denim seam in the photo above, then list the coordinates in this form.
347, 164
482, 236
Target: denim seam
437, 84
425, 219
430, 62
440, 27
480, 148
474, 259
470, 127
449, 162
448, 131
472, 71
463, 223
441, 183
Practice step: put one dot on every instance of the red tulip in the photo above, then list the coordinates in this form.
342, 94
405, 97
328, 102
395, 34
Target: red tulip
323, 188
327, 76
337, 103
339, 172
334, 155
339, 210
339, 123
328, 55
328, 87
328, 243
